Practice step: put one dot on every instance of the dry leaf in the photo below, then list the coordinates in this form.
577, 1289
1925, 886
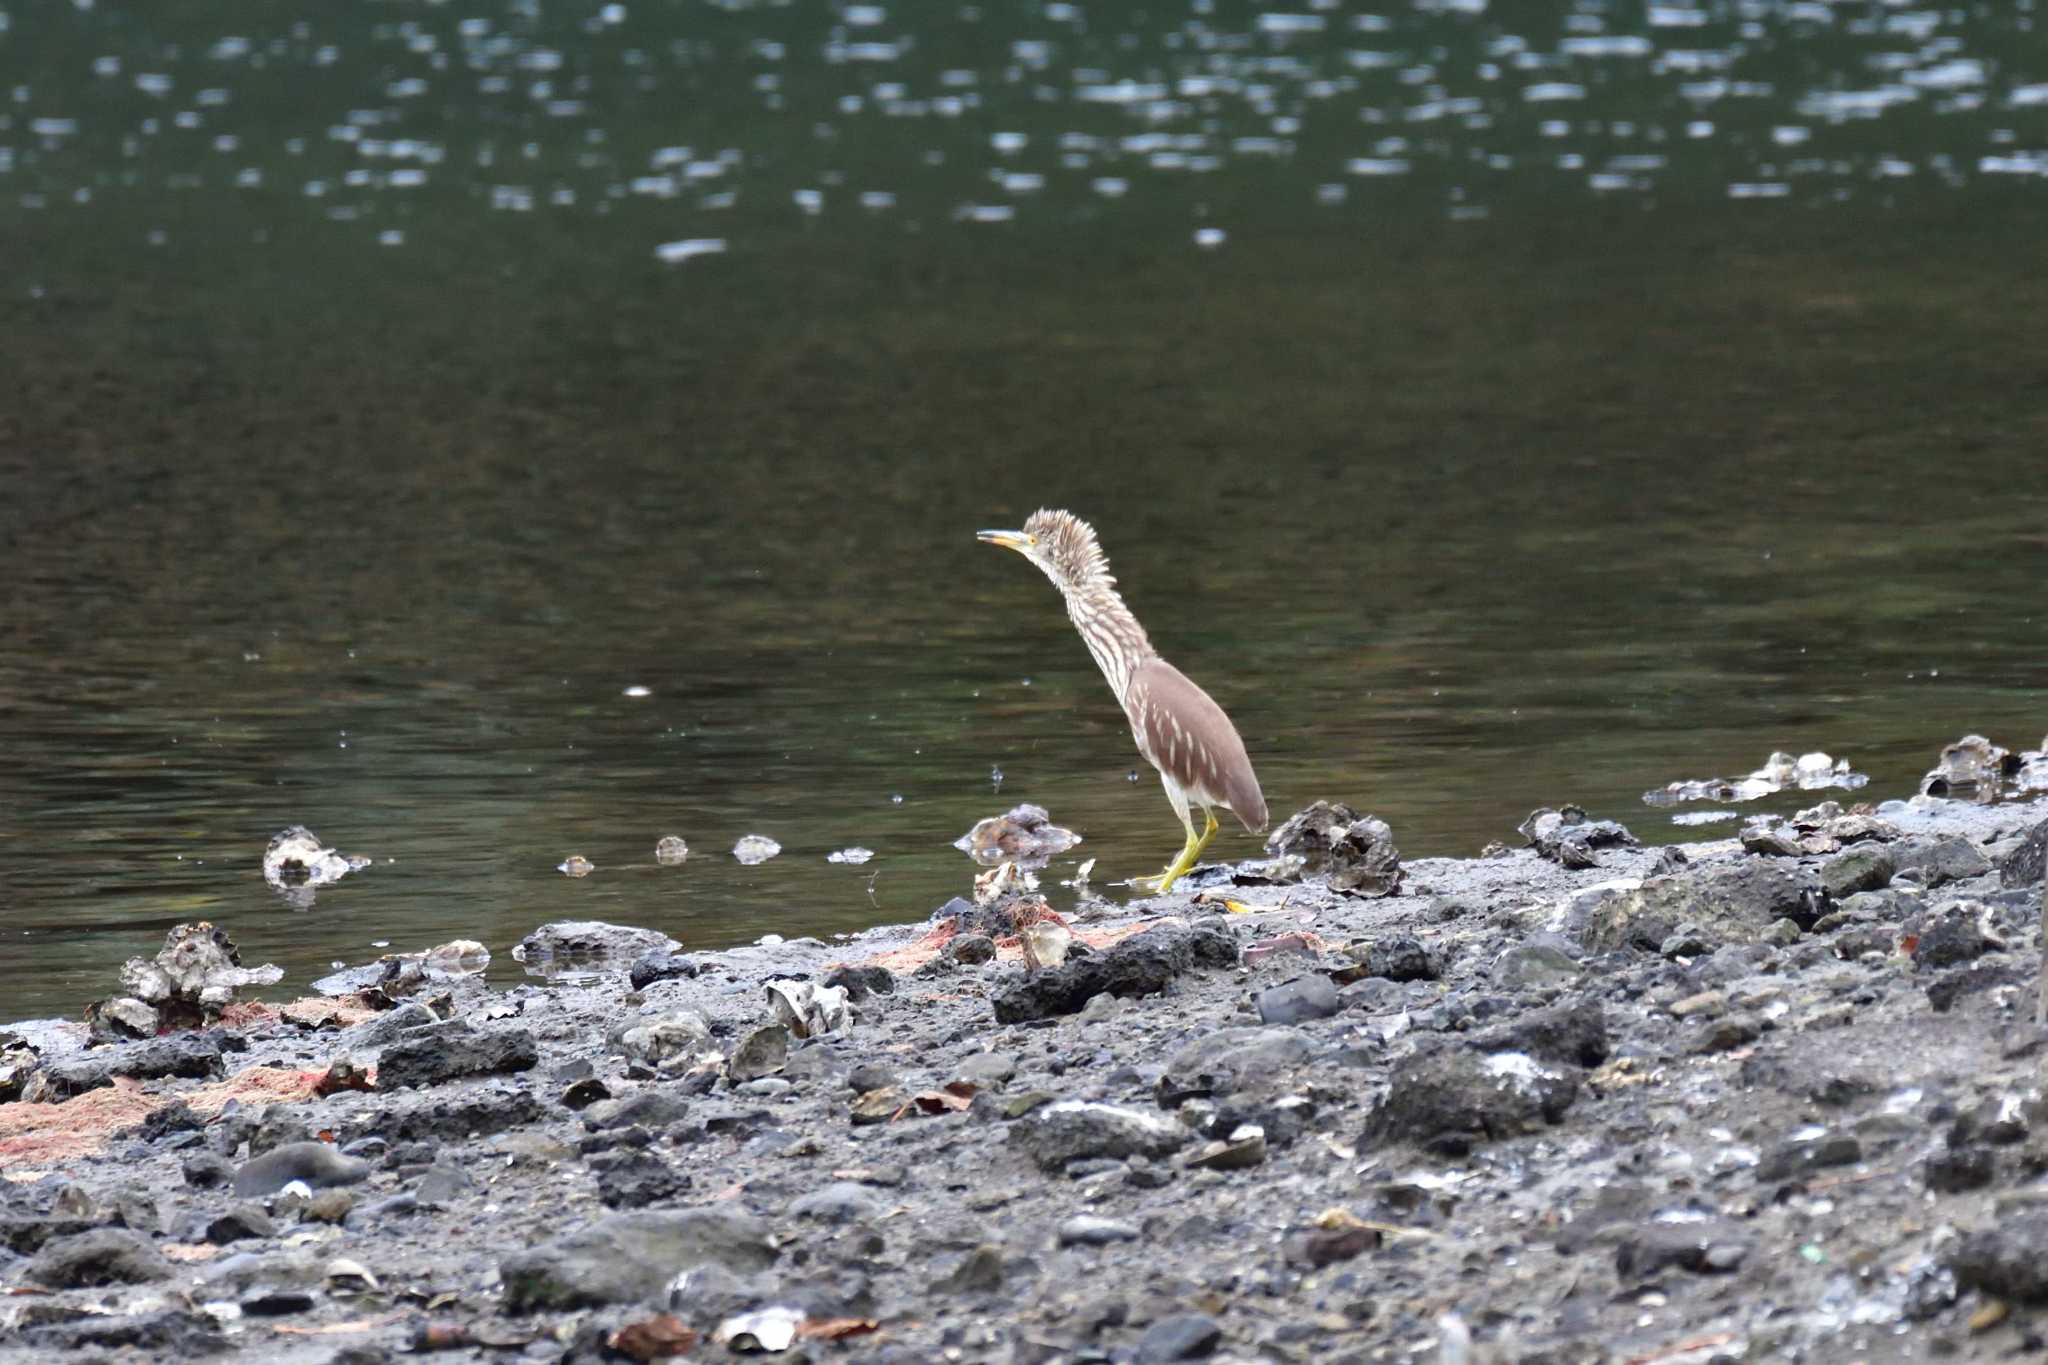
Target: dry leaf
655, 1338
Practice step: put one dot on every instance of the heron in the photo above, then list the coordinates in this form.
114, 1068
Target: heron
1179, 728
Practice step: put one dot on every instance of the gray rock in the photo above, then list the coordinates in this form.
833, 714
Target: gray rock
1299, 1000
679, 1036
1184, 1336
196, 1055
166, 1334
1574, 1034
2024, 865
443, 1184
451, 1051
1144, 964
2009, 1260
636, 1180
1796, 1158
1862, 867
660, 964
1072, 1130
1448, 1099
1086, 1230
316, 1163
1729, 903
655, 1110
104, 1256
630, 1257
842, 1201
1936, 859
981, 1271
1954, 934
373, 1034
989, 1069
1400, 957
1567, 837
1233, 1058
589, 940
1729, 1032
763, 1052
1534, 967
1329, 839
972, 949
1706, 1247
239, 1223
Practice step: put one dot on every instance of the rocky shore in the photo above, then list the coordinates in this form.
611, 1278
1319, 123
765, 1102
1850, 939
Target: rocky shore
1767, 1097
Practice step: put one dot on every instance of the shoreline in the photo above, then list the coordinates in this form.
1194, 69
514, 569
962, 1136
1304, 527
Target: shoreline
1715, 1105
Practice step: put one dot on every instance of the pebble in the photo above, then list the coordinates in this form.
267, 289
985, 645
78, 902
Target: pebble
317, 1164
1084, 1230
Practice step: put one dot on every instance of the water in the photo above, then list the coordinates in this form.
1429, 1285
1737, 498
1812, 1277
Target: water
1491, 408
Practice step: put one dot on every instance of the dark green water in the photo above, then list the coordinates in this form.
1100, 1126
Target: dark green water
1519, 475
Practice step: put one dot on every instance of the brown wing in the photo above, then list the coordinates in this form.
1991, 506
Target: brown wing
1185, 734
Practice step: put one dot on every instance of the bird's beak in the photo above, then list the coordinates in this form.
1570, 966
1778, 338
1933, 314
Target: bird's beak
1009, 540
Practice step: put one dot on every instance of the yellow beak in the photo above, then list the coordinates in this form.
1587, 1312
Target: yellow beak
1009, 540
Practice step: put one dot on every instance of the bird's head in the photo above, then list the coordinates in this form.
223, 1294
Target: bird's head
1061, 544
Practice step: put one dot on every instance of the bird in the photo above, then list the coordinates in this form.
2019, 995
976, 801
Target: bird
1179, 728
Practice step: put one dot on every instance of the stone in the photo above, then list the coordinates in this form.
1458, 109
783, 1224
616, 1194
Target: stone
1233, 1058
1567, 837
989, 1070
1953, 935
1790, 1160
444, 1183
1862, 867
2024, 865
1184, 1336
1729, 1032
979, 1272
1400, 958
1449, 1099
636, 1179
630, 1257
1534, 967
589, 940
1724, 903
971, 949
1354, 853
164, 1334
451, 1051
1574, 1034
1071, 1130
842, 1201
196, 1055
1089, 1231
1706, 1247
763, 1052
2009, 1259
239, 1222
660, 964
1937, 859
91, 1260
1143, 964
372, 1034
1299, 1000
861, 982
1954, 1170
654, 1109
207, 1170
1243, 1149
680, 1037
318, 1164
1702, 1004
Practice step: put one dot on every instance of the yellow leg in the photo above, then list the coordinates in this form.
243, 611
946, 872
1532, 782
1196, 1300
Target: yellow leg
1189, 852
